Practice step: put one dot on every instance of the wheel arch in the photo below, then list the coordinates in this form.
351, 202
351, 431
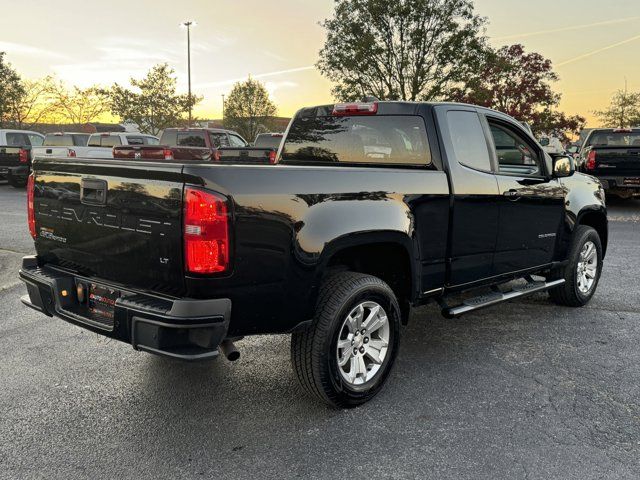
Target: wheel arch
596, 218
388, 255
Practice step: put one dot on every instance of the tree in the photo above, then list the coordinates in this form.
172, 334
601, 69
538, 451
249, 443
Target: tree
154, 105
519, 84
11, 90
401, 49
248, 109
77, 105
36, 105
623, 111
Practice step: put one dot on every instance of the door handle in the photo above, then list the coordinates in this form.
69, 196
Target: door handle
512, 194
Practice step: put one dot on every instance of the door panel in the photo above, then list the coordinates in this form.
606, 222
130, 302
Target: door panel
530, 219
531, 202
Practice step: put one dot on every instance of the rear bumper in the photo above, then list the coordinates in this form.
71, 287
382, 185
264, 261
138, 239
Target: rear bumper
16, 171
618, 183
186, 329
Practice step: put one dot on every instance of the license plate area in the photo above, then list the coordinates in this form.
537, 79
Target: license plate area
101, 303
92, 303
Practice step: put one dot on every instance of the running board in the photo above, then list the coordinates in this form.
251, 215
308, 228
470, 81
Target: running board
495, 297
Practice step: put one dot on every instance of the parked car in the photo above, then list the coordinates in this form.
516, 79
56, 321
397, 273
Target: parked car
613, 156
15, 155
268, 140
97, 145
551, 144
199, 144
371, 209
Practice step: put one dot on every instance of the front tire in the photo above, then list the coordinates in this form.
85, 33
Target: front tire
582, 271
346, 355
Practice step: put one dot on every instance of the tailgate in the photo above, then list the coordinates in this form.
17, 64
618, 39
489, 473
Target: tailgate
619, 162
112, 221
9, 157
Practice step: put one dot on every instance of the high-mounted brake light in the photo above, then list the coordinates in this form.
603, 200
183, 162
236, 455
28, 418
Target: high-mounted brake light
591, 160
341, 109
623, 130
206, 231
167, 153
23, 155
31, 216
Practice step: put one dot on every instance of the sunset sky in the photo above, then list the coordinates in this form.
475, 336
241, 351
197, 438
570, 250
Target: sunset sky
594, 46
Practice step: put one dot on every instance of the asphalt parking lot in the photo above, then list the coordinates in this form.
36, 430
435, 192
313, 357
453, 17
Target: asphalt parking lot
523, 390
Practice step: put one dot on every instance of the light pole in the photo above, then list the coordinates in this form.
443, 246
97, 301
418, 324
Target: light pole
188, 25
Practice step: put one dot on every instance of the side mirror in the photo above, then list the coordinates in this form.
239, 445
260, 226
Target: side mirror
563, 166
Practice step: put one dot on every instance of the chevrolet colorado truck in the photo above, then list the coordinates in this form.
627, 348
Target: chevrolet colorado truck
613, 156
208, 144
372, 208
16, 154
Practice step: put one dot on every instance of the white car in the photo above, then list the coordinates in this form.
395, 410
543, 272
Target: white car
551, 145
99, 145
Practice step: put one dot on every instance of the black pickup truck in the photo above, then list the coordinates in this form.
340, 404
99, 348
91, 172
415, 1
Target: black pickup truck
371, 209
16, 155
613, 156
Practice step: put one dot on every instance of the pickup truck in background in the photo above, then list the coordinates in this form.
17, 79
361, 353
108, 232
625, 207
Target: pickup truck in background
15, 155
61, 144
613, 156
371, 209
96, 145
205, 144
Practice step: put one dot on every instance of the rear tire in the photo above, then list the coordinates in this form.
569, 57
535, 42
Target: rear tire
581, 277
323, 355
17, 182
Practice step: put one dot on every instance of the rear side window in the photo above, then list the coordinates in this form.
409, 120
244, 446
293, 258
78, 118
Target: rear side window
219, 139
236, 141
58, 141
35, 140
385, 140
467, 137
191, 139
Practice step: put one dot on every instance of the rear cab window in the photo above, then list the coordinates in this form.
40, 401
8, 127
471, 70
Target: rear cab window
622, 138
17, 139
268, 140
191, 139
399, 140
54, 140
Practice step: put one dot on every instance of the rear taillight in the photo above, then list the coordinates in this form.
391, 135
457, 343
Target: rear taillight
206, 231
272, 157
341, 109
23, 155
71, 153
167, 153
591, 161
31, 216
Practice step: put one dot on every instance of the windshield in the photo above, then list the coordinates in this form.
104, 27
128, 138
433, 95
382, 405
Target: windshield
615, 139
